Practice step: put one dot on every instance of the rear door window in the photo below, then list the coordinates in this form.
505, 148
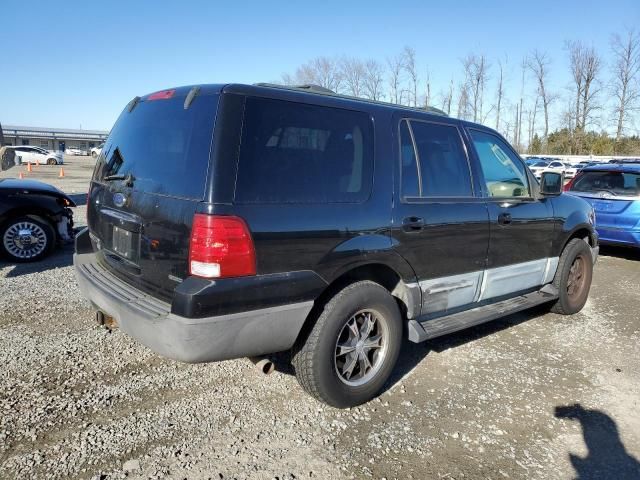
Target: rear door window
299, 153
163, 145
438, 167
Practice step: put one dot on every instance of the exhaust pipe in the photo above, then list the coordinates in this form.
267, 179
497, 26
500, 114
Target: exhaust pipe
263, 364
105, 320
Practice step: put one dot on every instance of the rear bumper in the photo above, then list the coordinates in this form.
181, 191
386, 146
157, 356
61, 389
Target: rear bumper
192, 340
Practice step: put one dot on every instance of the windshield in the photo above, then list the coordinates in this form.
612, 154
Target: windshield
162, 145
540, 164
616, 183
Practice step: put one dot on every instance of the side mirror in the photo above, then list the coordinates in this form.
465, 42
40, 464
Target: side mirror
551, 184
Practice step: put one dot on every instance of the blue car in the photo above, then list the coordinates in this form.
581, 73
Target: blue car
614, 192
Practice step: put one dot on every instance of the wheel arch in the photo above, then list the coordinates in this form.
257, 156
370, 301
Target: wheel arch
406, 294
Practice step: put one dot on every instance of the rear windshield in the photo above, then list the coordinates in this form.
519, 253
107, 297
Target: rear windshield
617, 183
165, 147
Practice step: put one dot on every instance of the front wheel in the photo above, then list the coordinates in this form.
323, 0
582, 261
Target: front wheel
26, 239
573, 277
352, 348
51, 161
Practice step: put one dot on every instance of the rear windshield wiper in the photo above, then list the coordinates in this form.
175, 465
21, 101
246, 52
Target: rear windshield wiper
128, 178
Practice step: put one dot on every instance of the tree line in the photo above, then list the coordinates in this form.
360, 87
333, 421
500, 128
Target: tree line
596, 113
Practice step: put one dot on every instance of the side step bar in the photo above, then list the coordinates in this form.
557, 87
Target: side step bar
421, 330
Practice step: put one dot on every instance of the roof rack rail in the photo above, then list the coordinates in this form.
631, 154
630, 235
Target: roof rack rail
309, 87
326, 91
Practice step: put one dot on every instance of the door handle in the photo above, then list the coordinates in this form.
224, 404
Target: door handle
504, 218
412, 224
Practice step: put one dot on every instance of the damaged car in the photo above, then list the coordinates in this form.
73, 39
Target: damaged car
34, 218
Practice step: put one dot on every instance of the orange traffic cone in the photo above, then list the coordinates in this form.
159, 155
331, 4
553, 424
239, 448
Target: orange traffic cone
61, 174
21, 175
29, 169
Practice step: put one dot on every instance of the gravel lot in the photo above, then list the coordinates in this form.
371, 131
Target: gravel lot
532, 396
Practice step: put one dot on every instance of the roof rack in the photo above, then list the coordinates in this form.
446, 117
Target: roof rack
312, 88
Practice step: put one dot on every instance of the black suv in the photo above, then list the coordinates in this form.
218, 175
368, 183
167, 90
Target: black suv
232, 220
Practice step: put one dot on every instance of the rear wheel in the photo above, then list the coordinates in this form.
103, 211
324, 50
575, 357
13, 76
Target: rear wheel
352, 348
573, 278
26, 239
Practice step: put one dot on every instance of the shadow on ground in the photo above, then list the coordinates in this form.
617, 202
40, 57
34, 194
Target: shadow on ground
607, 457
61, 257
628, 253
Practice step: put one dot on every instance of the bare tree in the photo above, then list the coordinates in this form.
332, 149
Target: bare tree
476, 76
449, 97
538, 62
576, 65
427, 95
591, 70
287, 79
396, 65
499, 94
626, 76
463, 102
446, 98
353, 73
373, 80
523, 66
321, 71
409, 56
532, 118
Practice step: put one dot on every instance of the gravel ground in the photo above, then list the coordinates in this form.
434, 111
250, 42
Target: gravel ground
531, 396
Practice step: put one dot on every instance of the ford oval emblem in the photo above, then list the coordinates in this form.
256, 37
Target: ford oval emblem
119, 199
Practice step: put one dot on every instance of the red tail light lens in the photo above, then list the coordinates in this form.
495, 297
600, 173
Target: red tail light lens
570, 183
221, 247
162, 95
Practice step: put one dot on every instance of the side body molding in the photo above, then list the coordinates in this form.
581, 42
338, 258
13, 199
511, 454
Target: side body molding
447, 293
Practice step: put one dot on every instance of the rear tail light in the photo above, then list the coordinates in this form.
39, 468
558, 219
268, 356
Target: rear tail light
221, 247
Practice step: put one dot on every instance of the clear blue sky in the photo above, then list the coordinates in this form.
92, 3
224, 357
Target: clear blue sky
71, 63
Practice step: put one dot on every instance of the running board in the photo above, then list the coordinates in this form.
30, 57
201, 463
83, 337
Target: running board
419, 331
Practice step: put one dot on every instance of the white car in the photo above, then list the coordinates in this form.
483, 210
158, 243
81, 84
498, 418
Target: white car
75, 151
95, 151
37, 155
538, 167
556, 166
569, 170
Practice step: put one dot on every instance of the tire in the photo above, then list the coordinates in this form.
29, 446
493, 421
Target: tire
322, 367
573, 277
42, 239
94, 154
51, 161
